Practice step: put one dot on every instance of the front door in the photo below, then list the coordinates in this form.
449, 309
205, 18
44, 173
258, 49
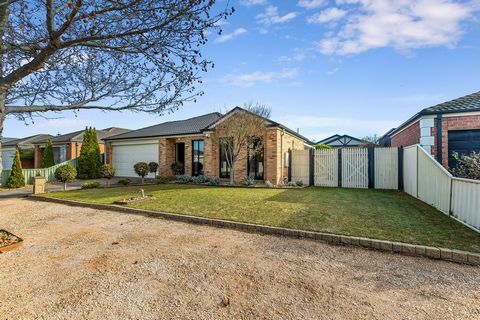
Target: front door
180, 155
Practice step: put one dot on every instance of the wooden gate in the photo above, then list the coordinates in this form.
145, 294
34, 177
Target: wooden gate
354, 168
326, 168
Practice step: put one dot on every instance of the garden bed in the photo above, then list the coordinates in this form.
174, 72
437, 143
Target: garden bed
9, 241
132, 200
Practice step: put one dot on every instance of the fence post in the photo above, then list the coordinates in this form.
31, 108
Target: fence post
400, 169
371, 168
289, 171
451, 198
339, 167
311, 163
418, 164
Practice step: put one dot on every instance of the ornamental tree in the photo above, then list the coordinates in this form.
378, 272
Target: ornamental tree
66, 173
107, 171
138, 55
141, 169
90, 161
47, 156
16, 178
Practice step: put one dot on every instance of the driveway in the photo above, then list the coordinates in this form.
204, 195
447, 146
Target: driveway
81, 263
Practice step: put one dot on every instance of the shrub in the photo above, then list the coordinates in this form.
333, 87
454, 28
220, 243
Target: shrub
269, 184
184, 179
468, 165
322, 147
47, 156
91, 185
90, 161
199, 179
248, 181
213, 181
38, 173
16, 178
162, 179
299, 183
153, 167
177, 167
125, 181
26, 155
107, 171
65, 174
141, 169
292, 184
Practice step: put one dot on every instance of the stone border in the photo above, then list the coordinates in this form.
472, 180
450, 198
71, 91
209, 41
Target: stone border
451, 255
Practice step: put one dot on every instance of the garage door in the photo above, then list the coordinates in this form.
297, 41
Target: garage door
126, 155
8, 154
463, 142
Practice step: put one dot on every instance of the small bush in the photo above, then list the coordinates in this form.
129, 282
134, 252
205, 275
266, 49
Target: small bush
141, 169
47, 156
248, 181
91, 185
153, 167
292, 184
162, 179
322, 147
199, 179
125, 181
184, 179
65, 174
177, 167
299, 183
213, 181
16, 178
269, 184
468, 166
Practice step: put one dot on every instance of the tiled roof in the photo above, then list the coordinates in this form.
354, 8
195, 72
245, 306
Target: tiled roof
77, 136
172, 128
27, 140
467, 103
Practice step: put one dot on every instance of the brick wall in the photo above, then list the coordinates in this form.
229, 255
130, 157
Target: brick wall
456, 123
408, 136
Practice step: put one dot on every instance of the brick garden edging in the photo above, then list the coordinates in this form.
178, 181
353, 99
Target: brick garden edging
452, 255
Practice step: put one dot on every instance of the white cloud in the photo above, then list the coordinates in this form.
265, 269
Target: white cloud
253, 2
298, 55
332, 72
271, 16
250, 79
230, 36
310, 4
401, 24
328, 15
62, 123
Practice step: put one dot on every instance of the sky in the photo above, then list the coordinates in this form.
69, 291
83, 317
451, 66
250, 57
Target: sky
357, 67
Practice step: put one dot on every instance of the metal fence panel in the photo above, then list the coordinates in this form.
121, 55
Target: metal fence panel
386, 168
301, 166
410, 170
466, 201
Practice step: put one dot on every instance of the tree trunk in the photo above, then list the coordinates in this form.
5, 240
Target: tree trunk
232, 173
4, 12
64, 186
143, 180
2, 119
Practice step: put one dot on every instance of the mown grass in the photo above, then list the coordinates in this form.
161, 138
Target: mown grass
387, 215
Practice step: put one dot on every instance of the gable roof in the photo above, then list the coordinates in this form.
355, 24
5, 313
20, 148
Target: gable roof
27, 140
193, 125
343, 139
468, 103
6, 139
77, 136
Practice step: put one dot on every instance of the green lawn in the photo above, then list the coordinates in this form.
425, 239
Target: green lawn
389, 215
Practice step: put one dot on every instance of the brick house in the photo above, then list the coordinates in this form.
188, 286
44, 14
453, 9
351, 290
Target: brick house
452, 126
192, 142
26, 146
68, 146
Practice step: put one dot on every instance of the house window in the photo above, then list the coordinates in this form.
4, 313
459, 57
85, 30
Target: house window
255, 158
197, 157
224, 167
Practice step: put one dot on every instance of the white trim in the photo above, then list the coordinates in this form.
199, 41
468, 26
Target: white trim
156, 137
461, 114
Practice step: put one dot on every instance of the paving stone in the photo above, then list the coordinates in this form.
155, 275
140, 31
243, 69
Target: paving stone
474, 258
459, 256
376, 244
344, 240
397, 247
408, 249
386, 245
420, 250
432, 252
354, 241
366, 243
445, 254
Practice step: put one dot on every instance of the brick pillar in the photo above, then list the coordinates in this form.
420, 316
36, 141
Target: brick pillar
37, 157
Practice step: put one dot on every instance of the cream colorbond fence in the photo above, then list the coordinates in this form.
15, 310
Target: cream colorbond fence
386, 168
429, 181
301, 169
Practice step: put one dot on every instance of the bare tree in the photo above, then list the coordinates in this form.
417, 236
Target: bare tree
236, 133
112, 55
371, 141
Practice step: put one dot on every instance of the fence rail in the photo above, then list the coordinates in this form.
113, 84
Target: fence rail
48, 173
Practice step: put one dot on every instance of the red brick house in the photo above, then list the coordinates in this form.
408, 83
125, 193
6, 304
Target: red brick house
452, 126
192, 142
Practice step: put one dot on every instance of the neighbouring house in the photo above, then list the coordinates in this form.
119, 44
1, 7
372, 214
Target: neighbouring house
339, 141
452, 126
68, 146
26, 146
192, 142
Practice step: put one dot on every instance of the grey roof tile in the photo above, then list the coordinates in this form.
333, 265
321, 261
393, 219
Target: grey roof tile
27, 140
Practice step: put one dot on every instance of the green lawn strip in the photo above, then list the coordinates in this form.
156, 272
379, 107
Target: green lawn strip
378, 214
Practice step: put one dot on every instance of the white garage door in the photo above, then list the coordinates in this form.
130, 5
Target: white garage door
8, 154
127, 154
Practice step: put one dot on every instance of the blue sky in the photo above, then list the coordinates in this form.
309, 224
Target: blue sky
357, 67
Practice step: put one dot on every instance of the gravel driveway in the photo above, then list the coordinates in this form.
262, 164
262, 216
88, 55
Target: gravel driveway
84, 263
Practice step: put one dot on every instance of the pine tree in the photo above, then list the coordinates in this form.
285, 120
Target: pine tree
16, 178
47, 156
89, 162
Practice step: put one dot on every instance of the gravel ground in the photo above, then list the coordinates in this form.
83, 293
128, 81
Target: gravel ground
81, 263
